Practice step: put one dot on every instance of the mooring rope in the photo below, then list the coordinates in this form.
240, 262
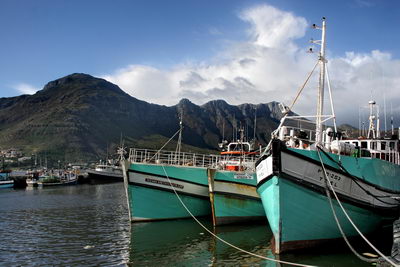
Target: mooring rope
328, 182
169, 140
222, 240
302, 87
273, 133
355, 179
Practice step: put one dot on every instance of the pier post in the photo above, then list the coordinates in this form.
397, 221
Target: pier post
395, 253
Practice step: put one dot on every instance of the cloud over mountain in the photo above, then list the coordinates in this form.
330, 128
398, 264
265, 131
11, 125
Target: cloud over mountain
269, 66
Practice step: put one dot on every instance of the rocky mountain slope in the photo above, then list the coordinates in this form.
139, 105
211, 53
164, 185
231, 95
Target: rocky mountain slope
80, 117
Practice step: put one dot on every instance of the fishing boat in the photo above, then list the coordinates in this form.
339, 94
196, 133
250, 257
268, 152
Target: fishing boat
60, 178
155, 179
32, 181
163, 185
232, 185
309, 180
5, 180
109, 172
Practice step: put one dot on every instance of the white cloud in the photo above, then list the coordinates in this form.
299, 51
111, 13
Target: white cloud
268, 66
24, 88
271, 27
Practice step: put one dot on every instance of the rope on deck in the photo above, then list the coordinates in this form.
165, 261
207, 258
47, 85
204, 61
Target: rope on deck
355, 180
328, 183
222, 240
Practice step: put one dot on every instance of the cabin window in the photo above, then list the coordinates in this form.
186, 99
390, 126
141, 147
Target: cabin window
364, 144
383, 145
391, 145
355, 143
373, 145
347, 142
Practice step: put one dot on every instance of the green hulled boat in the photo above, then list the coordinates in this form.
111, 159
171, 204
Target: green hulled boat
292, 186
301, 169
155, 179
234, 198
232, 185
5, 180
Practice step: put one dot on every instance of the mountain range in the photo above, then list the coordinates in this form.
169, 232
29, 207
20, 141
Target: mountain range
81, 118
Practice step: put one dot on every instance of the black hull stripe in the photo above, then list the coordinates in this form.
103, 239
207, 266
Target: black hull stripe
240, 196
233, 182
266, 179
168, 190
165, 177
301, 156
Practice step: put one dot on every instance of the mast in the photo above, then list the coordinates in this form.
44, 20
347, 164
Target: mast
223, 130
372, 117
255, 124
320, 103
179, 144
391, 118
384, 110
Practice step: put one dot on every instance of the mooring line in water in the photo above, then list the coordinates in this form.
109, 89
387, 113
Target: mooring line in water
222, 240
328, 182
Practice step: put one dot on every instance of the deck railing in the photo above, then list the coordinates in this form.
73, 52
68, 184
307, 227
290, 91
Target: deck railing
137, 155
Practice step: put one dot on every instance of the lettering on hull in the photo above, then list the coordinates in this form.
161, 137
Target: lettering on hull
243, 176
154, 181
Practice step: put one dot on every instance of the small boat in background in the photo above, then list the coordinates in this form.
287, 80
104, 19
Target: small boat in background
32, 181
111, 171
58, 178
106, 172
5, 180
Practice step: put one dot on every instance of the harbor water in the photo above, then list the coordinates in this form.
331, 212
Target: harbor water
87, 225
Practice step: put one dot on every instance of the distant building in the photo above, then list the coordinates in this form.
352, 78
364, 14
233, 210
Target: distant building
24, 159
11, 153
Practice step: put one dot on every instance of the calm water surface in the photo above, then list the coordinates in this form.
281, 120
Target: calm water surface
87, 225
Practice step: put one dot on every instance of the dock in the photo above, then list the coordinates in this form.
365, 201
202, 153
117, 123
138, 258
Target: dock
395, 253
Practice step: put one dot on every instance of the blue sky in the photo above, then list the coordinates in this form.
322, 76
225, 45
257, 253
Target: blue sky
161, 51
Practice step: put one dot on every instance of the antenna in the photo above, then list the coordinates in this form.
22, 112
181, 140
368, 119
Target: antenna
384, 110
223, 129
179, 143
255, 123
359, 121
391, 117
234, 128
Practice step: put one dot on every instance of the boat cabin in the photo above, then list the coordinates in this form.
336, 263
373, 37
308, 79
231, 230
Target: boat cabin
237, 148
385, 149
380, 148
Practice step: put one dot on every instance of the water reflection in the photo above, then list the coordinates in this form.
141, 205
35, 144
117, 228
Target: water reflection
75, 226
87, 225
185, 243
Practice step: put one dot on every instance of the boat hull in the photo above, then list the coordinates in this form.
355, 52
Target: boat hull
32, 183
105, 176
234, 198
7, 184
292, 189
151, 196
44, 184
